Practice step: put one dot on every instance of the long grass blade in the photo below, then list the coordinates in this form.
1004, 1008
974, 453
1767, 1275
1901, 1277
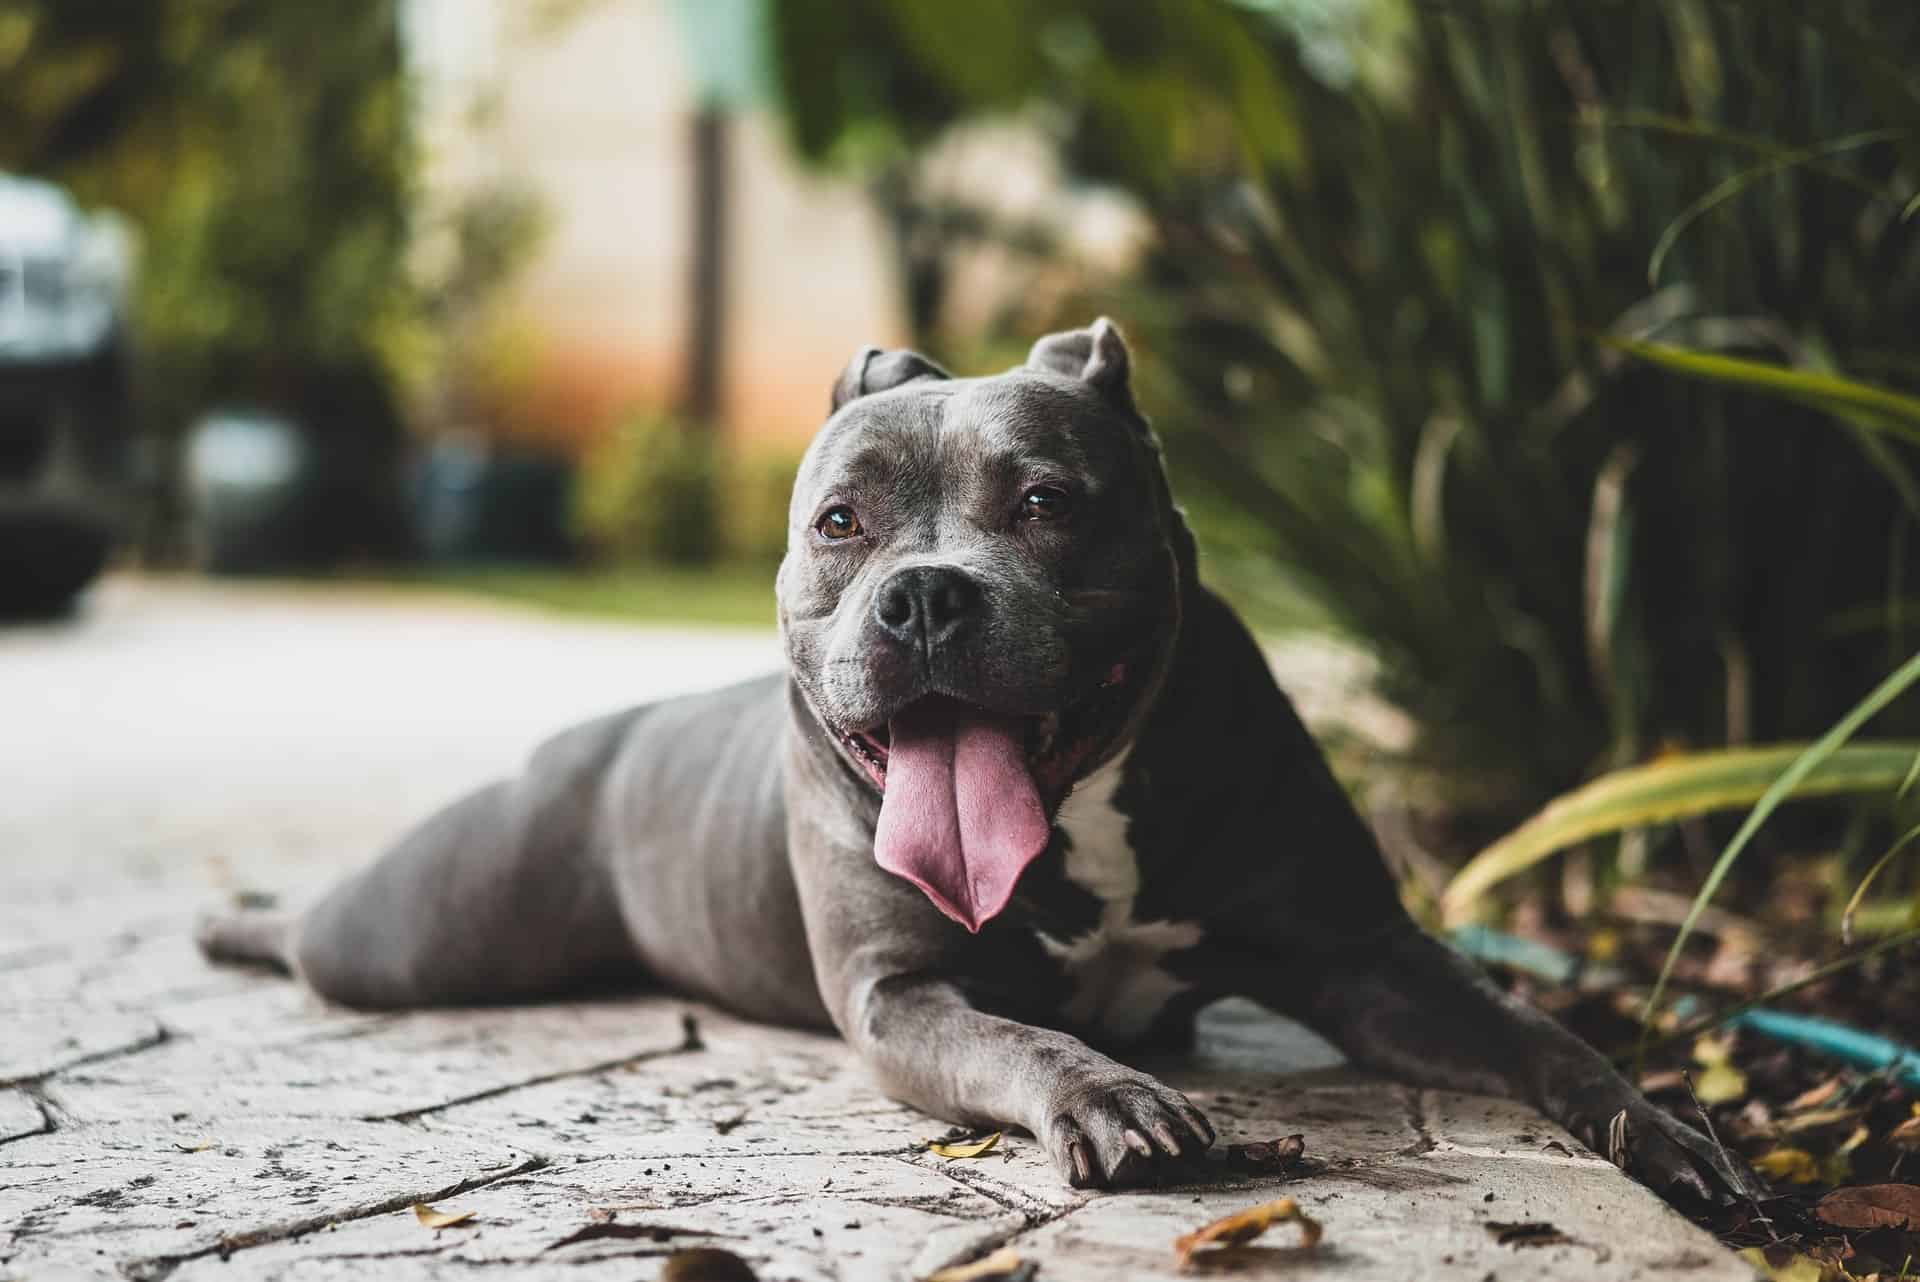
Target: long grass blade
1707, 1023
1731, 187
1860, 891
1784, 787
1895, 413
1669, 789
1754, 144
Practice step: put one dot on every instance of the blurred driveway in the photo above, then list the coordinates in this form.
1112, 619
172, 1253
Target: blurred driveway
175, 730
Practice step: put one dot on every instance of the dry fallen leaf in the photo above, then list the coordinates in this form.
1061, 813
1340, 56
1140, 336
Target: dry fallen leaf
1906, 1135
1797, 1268
963, 1148
1267, 1155
1815, 1120
1815, 1096
434, 1219
1794, 1165
1002, 1263
706, 1264
1718, 1081
1872, 1206
201, 1147
1244, 1226
1838, 1168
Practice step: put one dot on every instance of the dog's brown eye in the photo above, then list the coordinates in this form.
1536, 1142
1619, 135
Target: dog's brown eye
1045, 503
838, 523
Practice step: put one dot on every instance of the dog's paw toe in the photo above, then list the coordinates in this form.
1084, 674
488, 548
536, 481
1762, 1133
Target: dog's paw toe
1667, 1155
1118, 1130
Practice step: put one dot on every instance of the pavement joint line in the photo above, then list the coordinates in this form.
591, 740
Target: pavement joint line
157, 1267
507, 1088
36, 1093
1029, 1208
160, 1035
1416, 1109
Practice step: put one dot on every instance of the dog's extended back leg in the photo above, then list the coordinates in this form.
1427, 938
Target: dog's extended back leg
501, 895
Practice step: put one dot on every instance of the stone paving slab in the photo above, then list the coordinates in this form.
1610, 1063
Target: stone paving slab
163, 1119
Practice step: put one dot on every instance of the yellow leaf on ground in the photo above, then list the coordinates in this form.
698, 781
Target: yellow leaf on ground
1794, 1165
1709, 1050
433, 1219
1818, 1118
1244, 1226
1799, 1268
1720, 1084
964, 1148
1000, 1264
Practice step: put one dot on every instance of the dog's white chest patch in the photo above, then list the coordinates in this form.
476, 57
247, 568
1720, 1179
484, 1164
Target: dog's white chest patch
1119, 985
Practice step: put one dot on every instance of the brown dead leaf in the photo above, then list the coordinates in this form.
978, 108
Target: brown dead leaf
201, 1147
1267, 1155
1244, 1226
963, 1148
706, 1264
1906, 1135
1794, 1165
1004, 1263
1814, 1097
435, 1219
1872, 1206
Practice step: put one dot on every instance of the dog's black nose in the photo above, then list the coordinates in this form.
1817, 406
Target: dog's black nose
926, 604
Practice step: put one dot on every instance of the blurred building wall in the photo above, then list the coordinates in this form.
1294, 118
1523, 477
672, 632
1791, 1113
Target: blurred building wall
588, 106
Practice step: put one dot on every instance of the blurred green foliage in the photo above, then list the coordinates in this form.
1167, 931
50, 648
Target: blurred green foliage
264, 149
1386, 238
657, 492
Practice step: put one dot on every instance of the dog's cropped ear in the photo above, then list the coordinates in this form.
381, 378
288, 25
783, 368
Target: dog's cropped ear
874, 370
1096, 355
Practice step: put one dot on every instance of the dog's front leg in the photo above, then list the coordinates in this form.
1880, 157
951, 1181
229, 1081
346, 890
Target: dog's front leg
1102, 1123
1406, 1004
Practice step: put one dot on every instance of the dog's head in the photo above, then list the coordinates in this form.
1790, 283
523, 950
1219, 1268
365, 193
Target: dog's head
980, 597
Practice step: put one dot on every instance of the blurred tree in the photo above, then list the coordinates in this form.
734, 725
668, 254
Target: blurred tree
265, 150
1387, 236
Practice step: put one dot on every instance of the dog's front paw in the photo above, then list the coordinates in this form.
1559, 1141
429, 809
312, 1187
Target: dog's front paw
1664, 1153
1112, 1129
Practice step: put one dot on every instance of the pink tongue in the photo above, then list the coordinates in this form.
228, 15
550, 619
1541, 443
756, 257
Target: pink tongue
961, 817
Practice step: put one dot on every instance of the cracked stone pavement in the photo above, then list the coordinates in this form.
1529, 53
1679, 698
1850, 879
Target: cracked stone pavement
176, 743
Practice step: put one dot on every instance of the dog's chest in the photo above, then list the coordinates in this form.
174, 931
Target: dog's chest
1117, 982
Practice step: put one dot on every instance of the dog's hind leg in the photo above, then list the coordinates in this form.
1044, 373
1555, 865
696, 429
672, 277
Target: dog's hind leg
502, 895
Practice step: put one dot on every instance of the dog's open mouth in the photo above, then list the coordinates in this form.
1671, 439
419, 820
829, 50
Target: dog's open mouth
966, 793
1056, 743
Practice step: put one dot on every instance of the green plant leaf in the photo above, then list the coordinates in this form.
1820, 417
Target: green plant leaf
1865, 403
1804, 766
1673, 788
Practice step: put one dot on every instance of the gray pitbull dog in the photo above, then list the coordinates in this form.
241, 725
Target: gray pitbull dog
1025, 788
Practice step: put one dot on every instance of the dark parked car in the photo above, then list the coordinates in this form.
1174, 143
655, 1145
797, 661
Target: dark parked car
66, 448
